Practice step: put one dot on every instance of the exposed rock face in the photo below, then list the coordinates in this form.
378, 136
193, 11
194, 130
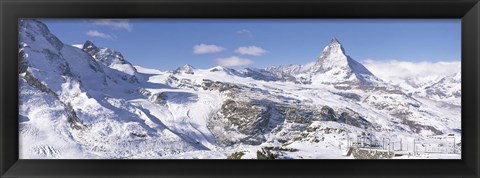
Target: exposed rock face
72, 119
22, 60
305, 115
37, 84
354, 119
112, 59
371, 154
266, 154
220, 86
246, 115
161, 99
104, 55
144, 92
417, 128
327, 114
347, 95
236, 155
247, 118
253, 118
90, 48
299, 114
292, 114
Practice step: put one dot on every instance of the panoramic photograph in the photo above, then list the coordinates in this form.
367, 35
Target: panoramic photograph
239, 88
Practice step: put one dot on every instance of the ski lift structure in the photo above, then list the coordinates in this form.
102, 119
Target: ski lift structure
446, 144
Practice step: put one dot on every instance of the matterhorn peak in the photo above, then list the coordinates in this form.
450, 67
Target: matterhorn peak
334, 40
335, 66
333, 56
335, 47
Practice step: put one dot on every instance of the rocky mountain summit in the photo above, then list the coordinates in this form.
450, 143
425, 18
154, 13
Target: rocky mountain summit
333, 67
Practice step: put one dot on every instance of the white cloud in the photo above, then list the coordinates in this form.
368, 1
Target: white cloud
251, 50
206, 48
233, 61
115, 23
95, 33
411, 73
245, 32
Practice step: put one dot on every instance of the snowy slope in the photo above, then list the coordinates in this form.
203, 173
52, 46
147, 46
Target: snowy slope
90, 102
100, 105
447, 89
440, 81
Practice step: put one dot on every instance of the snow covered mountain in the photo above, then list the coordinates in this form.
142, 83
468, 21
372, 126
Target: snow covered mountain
76, 104
90, 102
415, 78
333, 66
109, 57
447, 89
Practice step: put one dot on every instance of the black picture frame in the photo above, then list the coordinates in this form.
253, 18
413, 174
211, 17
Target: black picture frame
12, 10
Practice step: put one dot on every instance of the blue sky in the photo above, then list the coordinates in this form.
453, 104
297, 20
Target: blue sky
166, 44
